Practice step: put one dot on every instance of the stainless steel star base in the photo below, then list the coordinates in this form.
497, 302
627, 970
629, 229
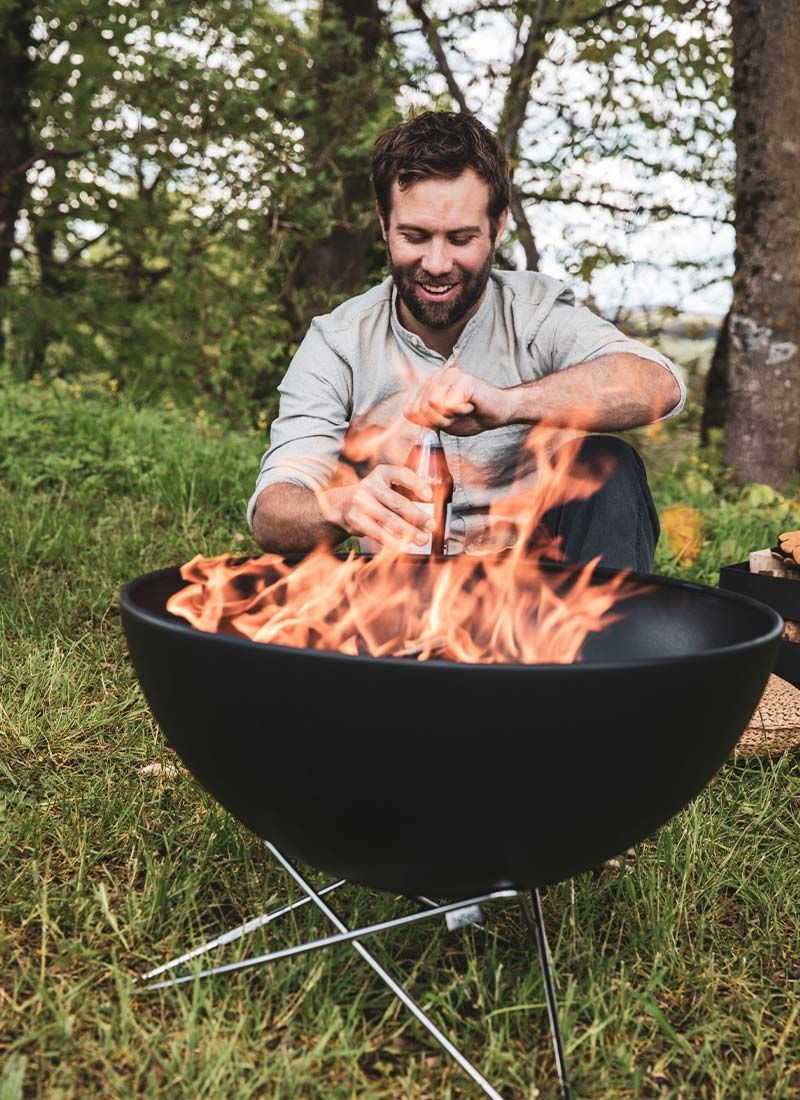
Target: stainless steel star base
461, 914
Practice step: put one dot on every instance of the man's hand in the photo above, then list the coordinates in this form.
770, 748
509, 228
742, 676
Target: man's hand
460, 404
374, 509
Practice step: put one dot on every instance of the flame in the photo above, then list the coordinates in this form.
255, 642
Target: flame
499, 607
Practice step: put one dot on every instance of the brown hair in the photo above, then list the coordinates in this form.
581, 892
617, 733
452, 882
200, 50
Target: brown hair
440, 144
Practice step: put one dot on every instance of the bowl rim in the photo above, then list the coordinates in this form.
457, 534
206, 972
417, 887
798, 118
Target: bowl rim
174, 624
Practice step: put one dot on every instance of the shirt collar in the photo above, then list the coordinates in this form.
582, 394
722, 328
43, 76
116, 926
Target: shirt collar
473, 325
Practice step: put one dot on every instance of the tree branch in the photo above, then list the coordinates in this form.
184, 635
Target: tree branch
598, 13
528, 65
430, 30
524, 231
512, 118
81, 248
519, 85
42, 154
663, 209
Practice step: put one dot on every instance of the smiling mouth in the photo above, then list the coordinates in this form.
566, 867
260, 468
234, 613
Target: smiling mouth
439, 291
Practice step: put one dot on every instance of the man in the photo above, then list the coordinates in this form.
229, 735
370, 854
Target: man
478, 353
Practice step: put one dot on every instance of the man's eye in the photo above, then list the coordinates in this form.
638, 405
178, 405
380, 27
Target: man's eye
462, 240
412, 238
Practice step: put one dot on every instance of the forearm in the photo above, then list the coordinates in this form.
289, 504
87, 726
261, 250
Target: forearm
288, 519
610, 393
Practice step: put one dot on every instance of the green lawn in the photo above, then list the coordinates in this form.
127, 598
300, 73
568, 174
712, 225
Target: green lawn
678, 973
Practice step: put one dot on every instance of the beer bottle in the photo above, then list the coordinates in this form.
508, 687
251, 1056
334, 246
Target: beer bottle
426, 458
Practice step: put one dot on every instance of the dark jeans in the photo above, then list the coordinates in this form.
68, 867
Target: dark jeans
619, 522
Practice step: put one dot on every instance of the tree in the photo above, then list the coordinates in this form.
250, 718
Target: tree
152, 222
16, 147
198, 179
349, 101
195, 185
763, 432
584, 93
715, 403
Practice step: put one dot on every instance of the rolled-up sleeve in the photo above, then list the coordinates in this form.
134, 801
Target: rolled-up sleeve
573, 334
307, 437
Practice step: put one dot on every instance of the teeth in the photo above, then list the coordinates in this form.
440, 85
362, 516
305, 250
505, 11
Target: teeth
437, 289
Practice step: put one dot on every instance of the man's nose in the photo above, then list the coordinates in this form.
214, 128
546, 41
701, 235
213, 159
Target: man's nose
437, 259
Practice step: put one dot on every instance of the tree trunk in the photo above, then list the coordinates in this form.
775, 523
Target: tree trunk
715, 405
16, 71
337, 264
524, 231
49, 286
763, 432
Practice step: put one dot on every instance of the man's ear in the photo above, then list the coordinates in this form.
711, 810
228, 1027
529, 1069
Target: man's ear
381, 222
501, 227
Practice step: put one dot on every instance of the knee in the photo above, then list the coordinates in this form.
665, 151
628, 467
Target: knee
603, 447
612, 459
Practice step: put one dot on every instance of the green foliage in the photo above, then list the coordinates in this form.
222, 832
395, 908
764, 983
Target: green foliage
200, 187
182, 183
735, 520
87, 444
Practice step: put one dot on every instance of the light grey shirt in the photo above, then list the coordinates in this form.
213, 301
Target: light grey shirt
342, 397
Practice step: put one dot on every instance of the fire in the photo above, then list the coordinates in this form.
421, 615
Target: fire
500, 607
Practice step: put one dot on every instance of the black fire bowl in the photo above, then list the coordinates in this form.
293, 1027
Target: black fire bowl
451, 780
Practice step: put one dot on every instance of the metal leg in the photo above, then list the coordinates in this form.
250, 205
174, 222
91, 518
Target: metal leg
330, 941
398, 990
532, 908
236, 933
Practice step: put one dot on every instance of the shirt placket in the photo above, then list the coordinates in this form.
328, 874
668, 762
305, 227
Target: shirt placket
474, 526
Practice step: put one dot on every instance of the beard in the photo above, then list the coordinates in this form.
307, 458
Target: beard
440, 315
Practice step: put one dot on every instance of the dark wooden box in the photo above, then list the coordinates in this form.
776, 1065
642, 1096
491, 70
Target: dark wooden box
783, 595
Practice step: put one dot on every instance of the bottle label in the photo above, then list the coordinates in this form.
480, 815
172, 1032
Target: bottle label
427, 547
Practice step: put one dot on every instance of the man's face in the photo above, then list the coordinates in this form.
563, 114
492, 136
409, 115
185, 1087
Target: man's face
440, 247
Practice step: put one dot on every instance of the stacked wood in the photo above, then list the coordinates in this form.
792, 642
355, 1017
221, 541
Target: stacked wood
762, 561
781, 561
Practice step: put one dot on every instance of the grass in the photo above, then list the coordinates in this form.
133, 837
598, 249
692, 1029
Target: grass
677, 972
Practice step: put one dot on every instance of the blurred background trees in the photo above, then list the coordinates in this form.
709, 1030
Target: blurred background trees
186, 184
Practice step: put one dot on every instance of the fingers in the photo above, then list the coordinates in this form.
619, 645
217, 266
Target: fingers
378, 512
427, 417
385, 530
442, 399
373, 519
404, 509
401, 475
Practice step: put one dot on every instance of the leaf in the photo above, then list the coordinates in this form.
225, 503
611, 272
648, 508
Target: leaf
654, 1010
13, 1077
758, 496
698, 485
102, 896
683, 528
